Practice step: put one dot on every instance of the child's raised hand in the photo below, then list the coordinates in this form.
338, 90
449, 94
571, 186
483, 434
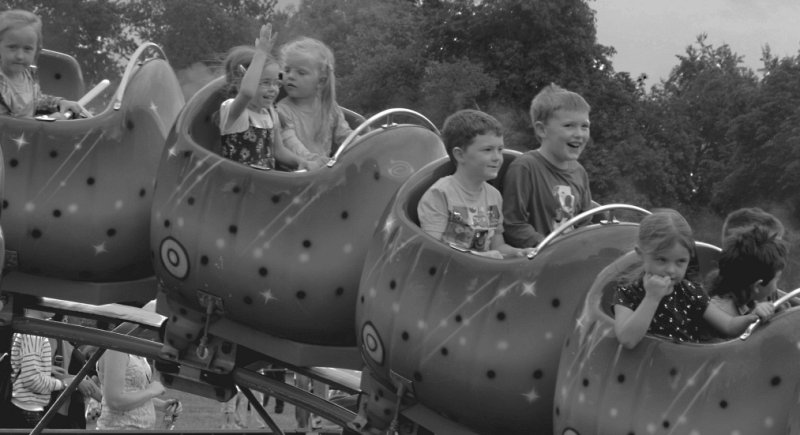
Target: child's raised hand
265, 38
657, 285
764, 310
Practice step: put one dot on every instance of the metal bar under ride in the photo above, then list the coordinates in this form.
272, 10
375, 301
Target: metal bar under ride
261, 411
80, 334
296, 396
124, 328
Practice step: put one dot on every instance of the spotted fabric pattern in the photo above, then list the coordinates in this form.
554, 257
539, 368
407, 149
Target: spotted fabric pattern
679, 316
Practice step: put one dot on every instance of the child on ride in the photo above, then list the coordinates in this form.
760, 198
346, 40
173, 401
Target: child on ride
462, 209
248, 122
658, 299
20, 44
546, 187
745, 219
750, 265
309, 108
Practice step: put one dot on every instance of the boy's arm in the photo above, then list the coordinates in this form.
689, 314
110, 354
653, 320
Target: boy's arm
517, 190
508, 251
432, 212
725, 323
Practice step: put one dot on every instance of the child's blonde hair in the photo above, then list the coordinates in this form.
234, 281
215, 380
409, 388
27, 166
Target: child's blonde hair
658, 232
325, 62
17, 18
235, 65
552, 98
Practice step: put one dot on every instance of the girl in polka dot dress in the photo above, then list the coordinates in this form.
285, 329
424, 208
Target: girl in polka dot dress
659, 299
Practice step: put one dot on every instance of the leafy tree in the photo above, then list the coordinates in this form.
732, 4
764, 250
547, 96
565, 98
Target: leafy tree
688, 118
766, 142
192, 31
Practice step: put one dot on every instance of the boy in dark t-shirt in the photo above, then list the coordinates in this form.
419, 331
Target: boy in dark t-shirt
546, 187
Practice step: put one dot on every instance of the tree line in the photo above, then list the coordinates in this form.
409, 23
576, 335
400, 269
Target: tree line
712, 137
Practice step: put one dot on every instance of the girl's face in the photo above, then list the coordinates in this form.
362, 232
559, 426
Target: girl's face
302, 78
671, 262
268, 87
17, 50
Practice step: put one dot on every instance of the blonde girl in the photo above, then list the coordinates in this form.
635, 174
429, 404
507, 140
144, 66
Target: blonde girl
20, 44
659, 299
248, 122
310, 108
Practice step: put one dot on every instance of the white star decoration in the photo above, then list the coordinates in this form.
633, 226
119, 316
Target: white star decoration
529, 289
531, 396
267, 295
387, 226
173, 152
20, 141
153, 106
100, 249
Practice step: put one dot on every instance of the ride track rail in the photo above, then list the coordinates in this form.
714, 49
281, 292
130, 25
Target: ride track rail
128, 337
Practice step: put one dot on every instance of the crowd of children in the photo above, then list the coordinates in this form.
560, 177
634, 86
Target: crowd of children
543, 189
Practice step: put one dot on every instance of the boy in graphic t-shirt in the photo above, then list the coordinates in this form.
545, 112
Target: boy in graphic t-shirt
462, 209
546, 187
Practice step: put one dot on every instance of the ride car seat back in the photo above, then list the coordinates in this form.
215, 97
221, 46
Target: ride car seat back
60, 75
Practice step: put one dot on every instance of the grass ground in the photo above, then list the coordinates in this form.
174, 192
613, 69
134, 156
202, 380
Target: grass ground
200, 413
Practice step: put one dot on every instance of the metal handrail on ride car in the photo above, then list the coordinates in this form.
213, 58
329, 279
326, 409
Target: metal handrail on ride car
366, 125
583, 216
775, 304
133, 63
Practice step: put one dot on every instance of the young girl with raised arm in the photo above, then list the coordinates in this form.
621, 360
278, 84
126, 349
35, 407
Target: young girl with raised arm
248, 122
20, 44
659, 299
309, 109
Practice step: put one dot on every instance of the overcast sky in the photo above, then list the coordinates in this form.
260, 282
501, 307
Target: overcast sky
648, 34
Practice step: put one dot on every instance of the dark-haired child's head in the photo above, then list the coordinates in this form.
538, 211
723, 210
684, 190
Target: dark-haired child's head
462, 127
750, 264
744, 219
474, 142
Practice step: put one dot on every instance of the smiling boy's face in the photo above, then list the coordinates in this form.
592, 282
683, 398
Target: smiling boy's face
482, 158
564, 136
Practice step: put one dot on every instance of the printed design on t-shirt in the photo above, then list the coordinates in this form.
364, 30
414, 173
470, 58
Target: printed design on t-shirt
565, 201
470, 227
